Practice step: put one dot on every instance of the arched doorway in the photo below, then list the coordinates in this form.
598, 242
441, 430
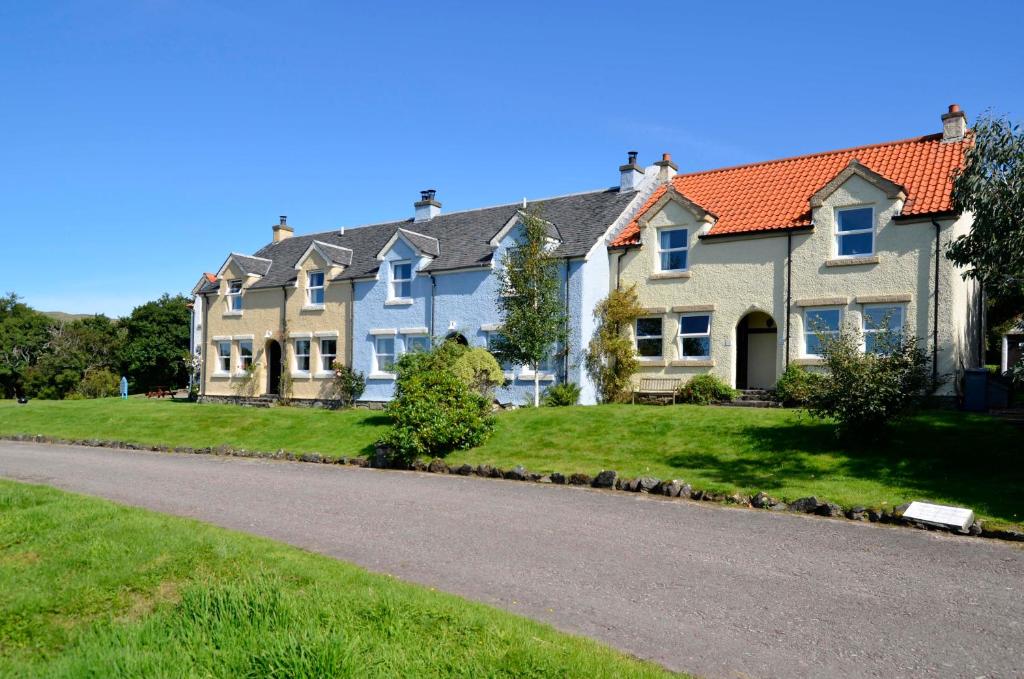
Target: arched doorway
457, 337
756, 351
273, 367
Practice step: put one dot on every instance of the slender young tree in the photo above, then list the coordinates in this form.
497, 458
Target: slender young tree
531, 305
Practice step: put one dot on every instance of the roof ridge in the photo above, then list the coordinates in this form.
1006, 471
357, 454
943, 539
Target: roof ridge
909, 140
459, 212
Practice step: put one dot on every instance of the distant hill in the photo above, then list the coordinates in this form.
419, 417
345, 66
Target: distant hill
64, 316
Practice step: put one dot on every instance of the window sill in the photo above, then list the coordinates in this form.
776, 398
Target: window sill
852, 261
651, 362
809, 360
544, 377
323, 376
312, 307
693, 363
381, 376
220, 376
304, 374
234, 312
240, 374
663, 275
399, 301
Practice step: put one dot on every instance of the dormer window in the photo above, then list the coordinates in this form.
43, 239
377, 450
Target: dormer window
315, 288
401, 280
855, 232
673, 245
235, 295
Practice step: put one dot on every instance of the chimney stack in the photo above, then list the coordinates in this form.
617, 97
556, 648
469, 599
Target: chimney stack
282, 230
954, 124
666, 168
630, 174
427, 207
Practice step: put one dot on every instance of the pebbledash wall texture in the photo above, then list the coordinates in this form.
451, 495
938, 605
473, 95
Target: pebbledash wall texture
739, 270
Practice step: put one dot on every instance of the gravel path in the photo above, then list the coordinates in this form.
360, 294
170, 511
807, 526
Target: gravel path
712, 590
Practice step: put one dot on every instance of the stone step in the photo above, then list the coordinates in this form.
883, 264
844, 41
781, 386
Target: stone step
751, 403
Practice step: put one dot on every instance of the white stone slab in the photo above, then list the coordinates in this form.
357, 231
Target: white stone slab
940, 515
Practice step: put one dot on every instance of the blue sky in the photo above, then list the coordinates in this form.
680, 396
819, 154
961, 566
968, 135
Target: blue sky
144, 140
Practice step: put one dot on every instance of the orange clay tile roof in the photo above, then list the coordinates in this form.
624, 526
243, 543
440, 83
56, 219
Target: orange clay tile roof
775, 195
212, 277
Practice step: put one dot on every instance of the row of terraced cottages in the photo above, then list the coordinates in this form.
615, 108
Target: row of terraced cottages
736, 267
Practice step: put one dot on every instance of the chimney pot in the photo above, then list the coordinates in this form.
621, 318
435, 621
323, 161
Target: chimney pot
666, 168
427, 206
954, 124
630, 174
282, 230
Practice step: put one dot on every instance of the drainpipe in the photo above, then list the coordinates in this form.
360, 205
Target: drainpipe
935, 311
433, 300
789, 290
350, 324
204, 347
565, 358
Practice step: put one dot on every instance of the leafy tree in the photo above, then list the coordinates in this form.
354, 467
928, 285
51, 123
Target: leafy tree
23, 336
991, 187
73, 350
865, 392
610, 358
531, 304
157, 335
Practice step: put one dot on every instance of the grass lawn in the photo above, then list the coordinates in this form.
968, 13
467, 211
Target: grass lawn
947, 457
91, 588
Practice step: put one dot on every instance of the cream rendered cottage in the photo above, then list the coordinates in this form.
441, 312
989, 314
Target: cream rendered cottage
740, 268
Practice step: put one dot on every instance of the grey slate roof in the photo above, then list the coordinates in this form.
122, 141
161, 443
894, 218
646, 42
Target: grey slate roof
463, 238
251, 265
426, 244
336, 254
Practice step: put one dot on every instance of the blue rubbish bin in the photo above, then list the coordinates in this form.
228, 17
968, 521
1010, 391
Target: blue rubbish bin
976, 390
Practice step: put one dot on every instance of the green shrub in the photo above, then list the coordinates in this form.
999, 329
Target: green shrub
864, 392
434, 411
478, 368
565, 394
97, 384
347, 385
796, 385
706, 389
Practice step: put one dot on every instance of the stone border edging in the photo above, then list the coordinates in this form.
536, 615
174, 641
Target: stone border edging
605, 480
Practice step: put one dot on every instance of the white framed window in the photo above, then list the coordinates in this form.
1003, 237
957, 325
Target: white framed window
235, 295
401, 280
244, 355
855, 232
819, 324
492, 344
695, 336
224, 357
547, 367
302, 355
414, 343
328, 353
384, 353
673, 246
648, 337
882, 325
315, 288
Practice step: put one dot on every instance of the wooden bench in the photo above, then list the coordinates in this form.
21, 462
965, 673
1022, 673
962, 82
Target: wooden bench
159, 392
657, 386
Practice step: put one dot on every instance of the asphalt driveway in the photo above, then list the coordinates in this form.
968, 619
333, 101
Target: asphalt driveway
711, 590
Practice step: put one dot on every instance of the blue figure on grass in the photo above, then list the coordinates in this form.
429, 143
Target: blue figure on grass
124, 387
